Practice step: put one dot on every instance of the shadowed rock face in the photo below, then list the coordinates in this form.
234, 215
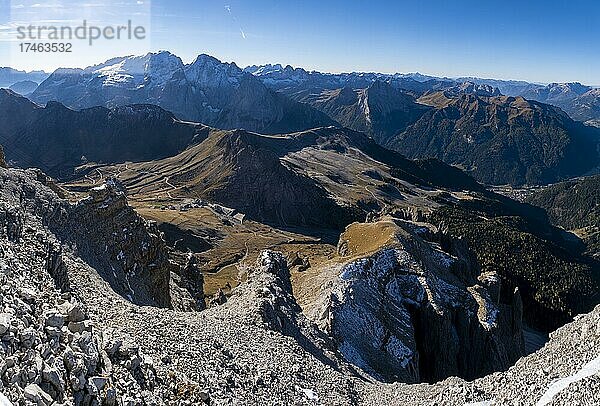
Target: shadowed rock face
412, 312
45, 328
127, 250
57, 139
101, 230
268, 295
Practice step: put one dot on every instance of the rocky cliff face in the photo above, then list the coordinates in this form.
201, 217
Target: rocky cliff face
102, 231
64, 284
50, 349
379, 110
127, 250
418, 309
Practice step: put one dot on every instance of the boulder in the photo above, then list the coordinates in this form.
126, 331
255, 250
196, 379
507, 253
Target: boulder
77, 314
53, 318
36, 395
4, 323
80, 326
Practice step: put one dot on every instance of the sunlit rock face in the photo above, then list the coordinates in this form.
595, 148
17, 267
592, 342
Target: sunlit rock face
418, 310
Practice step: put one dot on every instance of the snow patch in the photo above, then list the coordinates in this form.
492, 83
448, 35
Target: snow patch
4, 400
491, 316
309, 393
589, 369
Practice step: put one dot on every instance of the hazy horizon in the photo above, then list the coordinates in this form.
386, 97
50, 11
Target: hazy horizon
532, 42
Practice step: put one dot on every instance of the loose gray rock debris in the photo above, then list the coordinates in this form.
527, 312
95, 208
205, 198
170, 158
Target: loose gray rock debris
70, 335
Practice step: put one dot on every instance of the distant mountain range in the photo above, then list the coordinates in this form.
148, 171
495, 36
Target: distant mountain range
498, 139
581, 102
299, 82
24, 87
10, 76
207, 90
379, 110
482, 125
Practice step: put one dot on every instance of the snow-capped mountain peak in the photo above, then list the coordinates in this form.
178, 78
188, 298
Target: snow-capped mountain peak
136, 70
259, 70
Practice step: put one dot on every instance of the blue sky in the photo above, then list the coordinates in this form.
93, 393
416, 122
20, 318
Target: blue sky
540, 41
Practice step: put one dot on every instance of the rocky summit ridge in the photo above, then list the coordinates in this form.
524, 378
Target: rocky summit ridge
418, 309
82, 322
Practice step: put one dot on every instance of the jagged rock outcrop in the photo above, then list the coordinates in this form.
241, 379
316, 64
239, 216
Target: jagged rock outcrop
101, 230
409, 311
563, 372
193, 279
50, 349
128, 250
269, 302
